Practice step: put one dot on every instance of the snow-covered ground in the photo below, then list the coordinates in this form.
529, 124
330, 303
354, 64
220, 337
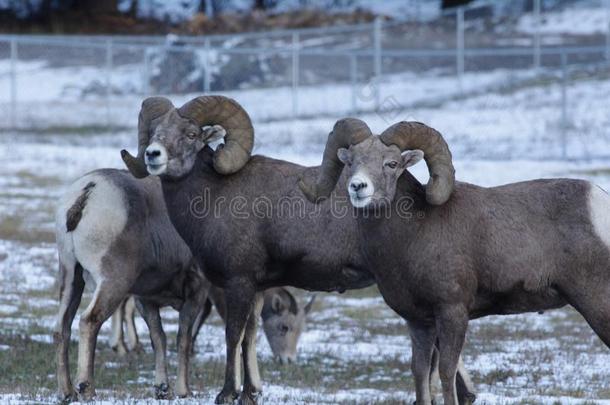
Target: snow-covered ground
499, 125
355, 349
572, 20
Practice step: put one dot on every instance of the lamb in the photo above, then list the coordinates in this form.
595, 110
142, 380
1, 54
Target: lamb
243, 218
449, 251
284, 320
113, 231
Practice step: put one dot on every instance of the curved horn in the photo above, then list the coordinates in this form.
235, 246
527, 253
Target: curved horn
415, 135
346, 132
152, 108
226, 112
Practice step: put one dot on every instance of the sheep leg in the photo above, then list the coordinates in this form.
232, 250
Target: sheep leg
71, 291
241, 296
202, 316
465, 387
252, 380
133, 342
463, 383
590, 301
451, 326
423, 338
188, 316
106, 299
117, 342
152, 317
217, 295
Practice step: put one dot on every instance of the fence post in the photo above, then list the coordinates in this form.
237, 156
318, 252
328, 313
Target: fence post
295, 73
564, 104
109, 65
459, 45
608, 30
377, 32
537, 23
206, 66
353, 79
14, 57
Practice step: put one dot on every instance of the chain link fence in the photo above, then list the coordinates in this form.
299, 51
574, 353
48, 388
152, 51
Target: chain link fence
383, 68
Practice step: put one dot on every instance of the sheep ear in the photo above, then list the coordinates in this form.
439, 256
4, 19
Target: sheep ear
277, 305
344, 156
213, 133
310, 304
411, 157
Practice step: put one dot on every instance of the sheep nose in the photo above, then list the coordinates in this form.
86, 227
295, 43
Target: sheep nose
358, 185
153, 153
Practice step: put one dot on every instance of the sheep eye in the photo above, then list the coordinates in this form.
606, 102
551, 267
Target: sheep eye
191, 135
392, 165
284, 329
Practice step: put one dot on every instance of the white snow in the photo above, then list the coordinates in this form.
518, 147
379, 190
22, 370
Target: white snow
572, 20
488, 116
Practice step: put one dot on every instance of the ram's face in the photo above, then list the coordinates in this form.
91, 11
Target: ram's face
173, 145
373, 169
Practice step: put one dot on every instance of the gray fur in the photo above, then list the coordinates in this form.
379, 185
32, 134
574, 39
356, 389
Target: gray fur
516, 248
122, 237
284, 321
283, 326
316, 251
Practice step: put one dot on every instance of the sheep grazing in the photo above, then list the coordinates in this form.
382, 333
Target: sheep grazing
284, 320
114, 231
243, 218
448, 252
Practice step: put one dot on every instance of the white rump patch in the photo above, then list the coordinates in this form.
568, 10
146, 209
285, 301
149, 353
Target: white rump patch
599, 209
103, 219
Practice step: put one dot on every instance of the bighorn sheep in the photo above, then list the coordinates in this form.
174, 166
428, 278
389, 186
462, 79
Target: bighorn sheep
78, 238
450, 251
284, 320
114, 230
242, 217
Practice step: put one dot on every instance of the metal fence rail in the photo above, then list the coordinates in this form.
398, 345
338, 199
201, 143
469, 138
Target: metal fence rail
357, 56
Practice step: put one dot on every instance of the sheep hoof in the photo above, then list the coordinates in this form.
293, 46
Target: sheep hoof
120, 350
85, 390
162, 391
182, 392
249, 398
138, 348
68, 398
468, 399
226, 397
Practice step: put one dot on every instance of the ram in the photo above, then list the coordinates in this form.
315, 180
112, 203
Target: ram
448, 252
243, 218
